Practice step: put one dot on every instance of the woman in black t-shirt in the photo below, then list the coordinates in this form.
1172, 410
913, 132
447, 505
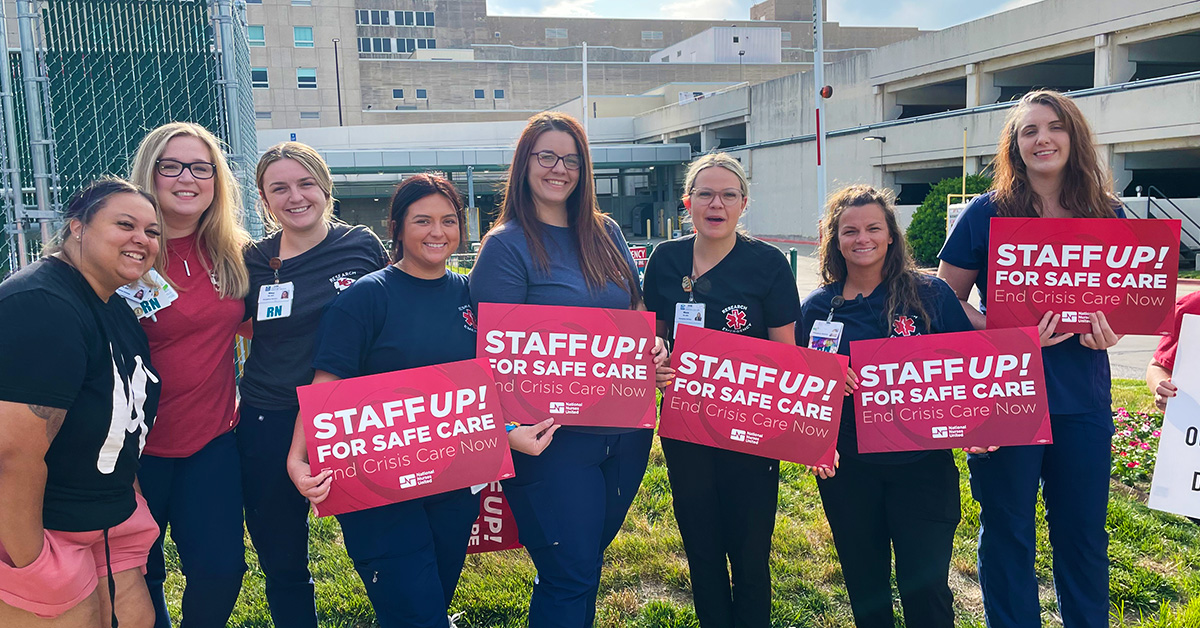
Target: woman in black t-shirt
908, 501
724, 501
77, 397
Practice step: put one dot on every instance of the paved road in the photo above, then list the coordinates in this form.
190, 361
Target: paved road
1128, 358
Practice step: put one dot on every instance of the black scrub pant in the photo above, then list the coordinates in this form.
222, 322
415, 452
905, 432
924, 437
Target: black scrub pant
725, 504
912, 508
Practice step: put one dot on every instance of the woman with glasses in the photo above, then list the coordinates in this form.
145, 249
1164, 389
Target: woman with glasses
724, 501
190, 468
309, 258
552, 246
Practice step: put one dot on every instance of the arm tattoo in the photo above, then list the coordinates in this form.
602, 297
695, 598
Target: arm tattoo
53, 416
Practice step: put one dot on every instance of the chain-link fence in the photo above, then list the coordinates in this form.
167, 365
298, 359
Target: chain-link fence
111, 70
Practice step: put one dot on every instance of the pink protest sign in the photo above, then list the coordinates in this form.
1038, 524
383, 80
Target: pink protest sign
496, 529
939, 391
398, 436
754, 396
580, 365
1075, 266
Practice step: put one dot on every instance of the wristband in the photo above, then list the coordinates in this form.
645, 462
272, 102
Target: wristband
511, 425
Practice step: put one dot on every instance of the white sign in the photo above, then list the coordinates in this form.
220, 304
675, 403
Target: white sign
953, 211
1176, 484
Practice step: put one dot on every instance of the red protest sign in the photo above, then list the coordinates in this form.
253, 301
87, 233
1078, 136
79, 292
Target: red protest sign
754, 396
640, 255
496, 529
398, 436
580, 365
938, 391
1074, 266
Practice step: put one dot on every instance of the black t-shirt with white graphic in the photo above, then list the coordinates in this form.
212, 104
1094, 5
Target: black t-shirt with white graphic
63, 347
282, 349
749, 291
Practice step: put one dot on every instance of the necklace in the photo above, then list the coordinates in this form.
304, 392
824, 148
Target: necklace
183, 258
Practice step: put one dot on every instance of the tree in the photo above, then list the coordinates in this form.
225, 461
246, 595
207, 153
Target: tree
927, 231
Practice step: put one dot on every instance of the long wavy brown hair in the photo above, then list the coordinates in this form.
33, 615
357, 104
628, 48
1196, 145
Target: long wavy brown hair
1087, 185
900, 273
599, 258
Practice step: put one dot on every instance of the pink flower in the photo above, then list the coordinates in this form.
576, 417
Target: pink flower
1145, 445
1132, 464
1124, 453
1156, 433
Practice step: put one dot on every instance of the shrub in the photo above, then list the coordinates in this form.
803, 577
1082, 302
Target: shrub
1134, 445
927, 231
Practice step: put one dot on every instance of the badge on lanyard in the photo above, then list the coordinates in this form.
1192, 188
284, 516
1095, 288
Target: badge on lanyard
148, 295
691, 314
826, 335
275, 301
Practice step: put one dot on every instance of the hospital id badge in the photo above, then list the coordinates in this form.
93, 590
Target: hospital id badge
275, 301
826, 336
690, 314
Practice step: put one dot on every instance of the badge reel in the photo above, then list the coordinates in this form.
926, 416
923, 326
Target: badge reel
826, 335
690, 313
275, 300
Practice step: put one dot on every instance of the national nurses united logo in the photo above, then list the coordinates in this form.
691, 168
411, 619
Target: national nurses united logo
468, 317
903, 326
342, 281
735, 319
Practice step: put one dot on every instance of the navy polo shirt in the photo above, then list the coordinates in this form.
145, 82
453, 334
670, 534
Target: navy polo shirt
1078, 379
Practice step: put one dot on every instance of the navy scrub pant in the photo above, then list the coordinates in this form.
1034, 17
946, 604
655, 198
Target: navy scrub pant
911, 508
1073, 474
569, 503
276, 514
725, 504
200, 496
409, 555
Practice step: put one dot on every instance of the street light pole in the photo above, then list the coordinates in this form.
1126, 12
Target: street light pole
337, 77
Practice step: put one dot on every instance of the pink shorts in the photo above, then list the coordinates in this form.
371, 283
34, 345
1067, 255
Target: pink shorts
72, 563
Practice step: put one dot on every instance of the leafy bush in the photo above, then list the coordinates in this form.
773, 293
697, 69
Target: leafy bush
1134, 445
927, 231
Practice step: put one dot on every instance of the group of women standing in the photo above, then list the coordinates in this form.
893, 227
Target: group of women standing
324, 301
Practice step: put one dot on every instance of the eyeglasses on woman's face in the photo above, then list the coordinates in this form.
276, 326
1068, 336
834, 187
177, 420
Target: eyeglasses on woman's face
548, 159
705, 196
173, 168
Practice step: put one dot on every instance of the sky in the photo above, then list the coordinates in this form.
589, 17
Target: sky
926, 14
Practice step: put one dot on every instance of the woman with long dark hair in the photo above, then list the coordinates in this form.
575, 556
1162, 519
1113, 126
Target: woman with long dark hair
552, 246
906, 502
1046, 166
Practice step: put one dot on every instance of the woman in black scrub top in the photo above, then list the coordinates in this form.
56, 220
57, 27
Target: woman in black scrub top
724, 500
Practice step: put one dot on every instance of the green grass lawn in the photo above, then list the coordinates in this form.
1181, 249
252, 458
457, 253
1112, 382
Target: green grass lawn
1155, 573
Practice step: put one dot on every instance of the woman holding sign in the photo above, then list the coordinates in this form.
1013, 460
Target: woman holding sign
552, 246
906, 501
724, 501
294, 272
410, 314
189, 468
1046, 166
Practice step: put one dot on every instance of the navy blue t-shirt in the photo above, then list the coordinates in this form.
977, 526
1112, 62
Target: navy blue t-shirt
864, 319
389, 321
1078, 379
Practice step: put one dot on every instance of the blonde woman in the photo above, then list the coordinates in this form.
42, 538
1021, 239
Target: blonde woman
310, 257
189, 469
724, 501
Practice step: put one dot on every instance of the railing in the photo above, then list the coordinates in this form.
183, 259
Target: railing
1189, 241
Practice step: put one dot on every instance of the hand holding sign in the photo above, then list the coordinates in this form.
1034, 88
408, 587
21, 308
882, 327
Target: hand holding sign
1175, 486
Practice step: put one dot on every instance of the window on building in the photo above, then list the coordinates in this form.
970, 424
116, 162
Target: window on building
498, 94
310, 115
409, 20
258, 78
362, 17
364, 44
302, 3
420, 18
422, 94
256, 36
253, 1
429, 18
398, 94
556, 33
425, 43
479, 94
378, 44
262, 115
306, 78
666, 59
656, 35
431, 43
785, 36
735, 39
302, 36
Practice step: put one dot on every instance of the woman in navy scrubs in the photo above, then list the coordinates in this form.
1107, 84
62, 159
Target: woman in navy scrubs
724, 501
1046, 166
552, 246
906, 501
410, 554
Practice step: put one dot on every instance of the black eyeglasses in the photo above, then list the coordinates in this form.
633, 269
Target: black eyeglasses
548, 159
173, 168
